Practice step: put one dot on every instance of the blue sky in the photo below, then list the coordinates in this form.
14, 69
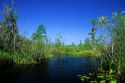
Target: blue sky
70, 18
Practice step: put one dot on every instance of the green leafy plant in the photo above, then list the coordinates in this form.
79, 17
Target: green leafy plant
99, 77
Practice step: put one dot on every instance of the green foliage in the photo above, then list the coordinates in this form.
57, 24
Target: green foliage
87, 44
99, 77
9, 30
109, 44
40, 48
20, 49
83, 49
59, 45
4, 55
40, 35
59, 40
18, 59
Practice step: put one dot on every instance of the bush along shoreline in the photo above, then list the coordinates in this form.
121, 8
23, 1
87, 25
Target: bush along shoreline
109, 48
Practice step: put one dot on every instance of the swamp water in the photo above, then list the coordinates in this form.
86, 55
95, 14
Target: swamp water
58, 70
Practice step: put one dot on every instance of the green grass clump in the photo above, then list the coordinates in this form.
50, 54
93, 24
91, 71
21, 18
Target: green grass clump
5, 55
77, 53
20, 59
17, 59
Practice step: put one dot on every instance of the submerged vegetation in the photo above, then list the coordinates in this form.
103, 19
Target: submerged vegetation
108, 46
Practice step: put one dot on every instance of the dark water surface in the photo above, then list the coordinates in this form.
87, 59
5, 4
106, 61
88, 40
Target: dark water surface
57, 70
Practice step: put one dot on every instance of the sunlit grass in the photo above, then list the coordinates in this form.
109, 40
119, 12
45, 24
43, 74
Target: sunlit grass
17, 59
77, 53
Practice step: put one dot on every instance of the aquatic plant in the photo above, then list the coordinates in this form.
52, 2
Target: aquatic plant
99, 77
